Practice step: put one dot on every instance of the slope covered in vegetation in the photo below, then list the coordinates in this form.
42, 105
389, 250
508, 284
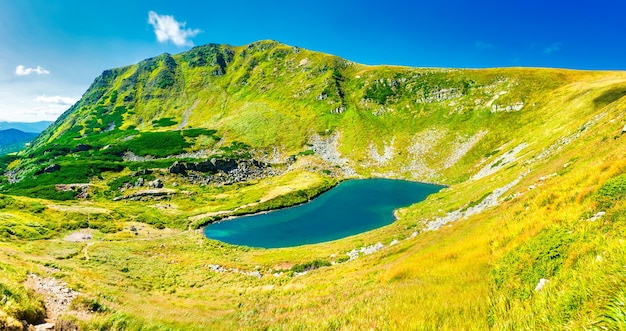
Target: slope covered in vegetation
533, 159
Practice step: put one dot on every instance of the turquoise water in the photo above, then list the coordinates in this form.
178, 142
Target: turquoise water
352, 207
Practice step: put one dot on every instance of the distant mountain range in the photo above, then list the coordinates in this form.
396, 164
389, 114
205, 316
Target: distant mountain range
13, 140
36, 127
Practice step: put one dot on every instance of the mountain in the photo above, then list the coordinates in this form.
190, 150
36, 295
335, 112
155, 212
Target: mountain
13, 140
35, 127
528, 233
276, 101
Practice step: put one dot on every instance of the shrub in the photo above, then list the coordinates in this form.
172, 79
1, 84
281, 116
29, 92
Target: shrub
37, 208
612, 191
196, 132
164, 122
308, 266
539, 257
158, 144
307, 152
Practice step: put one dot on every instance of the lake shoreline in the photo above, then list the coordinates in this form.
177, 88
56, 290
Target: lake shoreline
353, 209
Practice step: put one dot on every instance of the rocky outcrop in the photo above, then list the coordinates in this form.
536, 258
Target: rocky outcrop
178, 168
492, 200
213, 165
157, 183
49, 169
507, 108
222, 171
82, 190
154, 194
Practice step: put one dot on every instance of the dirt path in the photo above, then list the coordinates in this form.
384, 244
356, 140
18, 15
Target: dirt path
57, 298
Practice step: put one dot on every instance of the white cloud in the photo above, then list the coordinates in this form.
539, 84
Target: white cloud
167, 28
21, 70
56, 100
483, 45
552, 48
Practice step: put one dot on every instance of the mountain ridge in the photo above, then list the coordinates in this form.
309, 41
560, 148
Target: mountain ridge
14, 140
34, 127
532, 159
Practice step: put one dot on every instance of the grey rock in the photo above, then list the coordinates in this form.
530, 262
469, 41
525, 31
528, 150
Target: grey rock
178, 168
82, 148
44, 326
52, 168
157, 183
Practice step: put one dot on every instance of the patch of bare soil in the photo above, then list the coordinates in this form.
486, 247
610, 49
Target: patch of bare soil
79, 236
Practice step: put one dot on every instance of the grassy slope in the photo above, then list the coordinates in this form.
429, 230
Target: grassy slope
477, 273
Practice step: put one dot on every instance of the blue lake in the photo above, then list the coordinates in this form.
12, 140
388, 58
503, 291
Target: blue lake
352, 207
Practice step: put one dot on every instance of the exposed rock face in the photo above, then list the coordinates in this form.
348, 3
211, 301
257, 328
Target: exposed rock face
52, 168
178, 168
157, 183
82, 190
154, 194
507, 108
222, 171
212, 166
82, 148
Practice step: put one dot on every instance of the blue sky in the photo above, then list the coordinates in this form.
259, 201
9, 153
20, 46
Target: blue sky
51, 50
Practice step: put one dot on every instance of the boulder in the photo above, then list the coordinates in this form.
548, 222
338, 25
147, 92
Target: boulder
157, 183
178, 168
205, 166
52, 168
44, 326
142, 173
140, 181
225, 165
82, 148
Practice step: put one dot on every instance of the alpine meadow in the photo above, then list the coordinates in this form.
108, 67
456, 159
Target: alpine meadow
102, 215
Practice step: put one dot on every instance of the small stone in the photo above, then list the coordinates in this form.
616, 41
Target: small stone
541, 284
45, 326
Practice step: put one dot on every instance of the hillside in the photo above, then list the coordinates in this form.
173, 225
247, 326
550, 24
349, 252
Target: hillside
533, 160
13, 140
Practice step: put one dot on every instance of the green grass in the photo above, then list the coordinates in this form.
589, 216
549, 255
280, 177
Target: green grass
270, 101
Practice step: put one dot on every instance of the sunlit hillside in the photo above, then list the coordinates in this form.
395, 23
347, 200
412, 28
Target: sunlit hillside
527, 234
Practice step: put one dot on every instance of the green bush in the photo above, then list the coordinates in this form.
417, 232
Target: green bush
196, 132
36, 208
164, 122
539, 257
380, 92
308, 266
48, 192
158, 144
612, 191
307, 152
